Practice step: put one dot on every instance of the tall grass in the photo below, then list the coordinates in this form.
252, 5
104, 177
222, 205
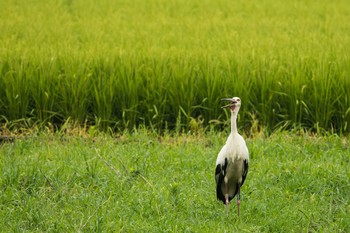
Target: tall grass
118, 64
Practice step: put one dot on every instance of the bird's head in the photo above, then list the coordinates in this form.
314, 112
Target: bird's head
234, 105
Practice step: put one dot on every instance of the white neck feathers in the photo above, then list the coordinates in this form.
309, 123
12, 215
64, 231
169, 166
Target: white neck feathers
234, 122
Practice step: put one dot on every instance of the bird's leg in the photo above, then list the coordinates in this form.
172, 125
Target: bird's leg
239, 197
226, 199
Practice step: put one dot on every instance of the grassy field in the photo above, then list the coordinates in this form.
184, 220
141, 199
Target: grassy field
143, 182
166, 64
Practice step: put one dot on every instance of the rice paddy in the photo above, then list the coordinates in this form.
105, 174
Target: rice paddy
110, 117
118, 65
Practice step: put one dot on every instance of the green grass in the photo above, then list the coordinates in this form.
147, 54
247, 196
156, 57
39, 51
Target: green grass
120, 64
143, 182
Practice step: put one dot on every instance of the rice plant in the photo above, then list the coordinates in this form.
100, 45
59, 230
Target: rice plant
118, 65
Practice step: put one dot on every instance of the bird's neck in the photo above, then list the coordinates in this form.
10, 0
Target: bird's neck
234, 123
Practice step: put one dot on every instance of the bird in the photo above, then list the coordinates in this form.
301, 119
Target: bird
232, 161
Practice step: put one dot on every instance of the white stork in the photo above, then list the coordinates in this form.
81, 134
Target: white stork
232, 161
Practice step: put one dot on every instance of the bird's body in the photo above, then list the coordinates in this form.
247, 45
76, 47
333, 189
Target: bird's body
230, 166
232, 161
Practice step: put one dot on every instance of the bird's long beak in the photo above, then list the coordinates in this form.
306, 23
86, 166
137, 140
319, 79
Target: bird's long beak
228, 105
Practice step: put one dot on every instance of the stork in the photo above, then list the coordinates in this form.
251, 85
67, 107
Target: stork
232, 161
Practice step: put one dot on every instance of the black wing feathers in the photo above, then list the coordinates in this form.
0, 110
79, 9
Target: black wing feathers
220, 173
245, 171
219, 177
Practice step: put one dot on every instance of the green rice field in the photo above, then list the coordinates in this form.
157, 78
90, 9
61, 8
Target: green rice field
118, 65
111, 118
